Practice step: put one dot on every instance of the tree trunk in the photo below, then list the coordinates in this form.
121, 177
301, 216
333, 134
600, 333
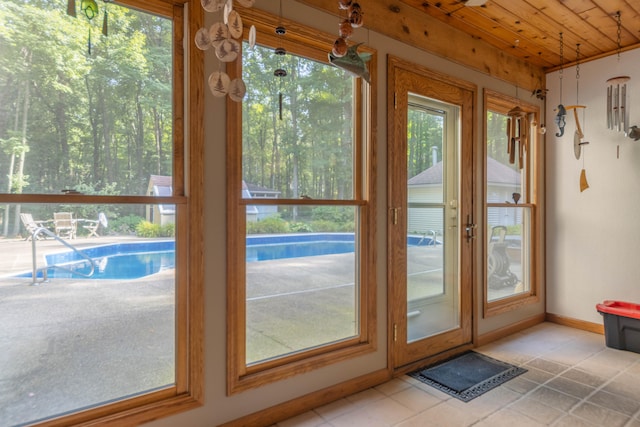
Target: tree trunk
23, 151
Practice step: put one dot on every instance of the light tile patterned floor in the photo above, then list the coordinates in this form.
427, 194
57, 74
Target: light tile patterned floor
573, 379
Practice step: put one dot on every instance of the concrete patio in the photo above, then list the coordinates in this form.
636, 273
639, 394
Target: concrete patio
72, 343
68, 344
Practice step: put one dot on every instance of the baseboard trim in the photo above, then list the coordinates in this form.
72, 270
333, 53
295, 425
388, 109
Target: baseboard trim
575, 323
509, 330
301, 404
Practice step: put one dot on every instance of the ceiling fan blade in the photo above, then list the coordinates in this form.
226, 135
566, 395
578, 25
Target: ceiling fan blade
474, 2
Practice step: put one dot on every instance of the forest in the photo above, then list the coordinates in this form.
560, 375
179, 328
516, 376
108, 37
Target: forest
298, 133
81, 110
91, 112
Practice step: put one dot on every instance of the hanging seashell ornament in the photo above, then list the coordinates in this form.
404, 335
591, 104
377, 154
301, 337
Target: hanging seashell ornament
235, 25
219, 83
228, 50
345, 29
202, 39
218, 33
340, 47
355, 15
252, 36
237, 90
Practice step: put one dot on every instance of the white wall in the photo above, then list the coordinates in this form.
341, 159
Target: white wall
218, 406
593, 237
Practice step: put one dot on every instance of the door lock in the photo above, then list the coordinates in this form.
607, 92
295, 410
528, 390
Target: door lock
470, 228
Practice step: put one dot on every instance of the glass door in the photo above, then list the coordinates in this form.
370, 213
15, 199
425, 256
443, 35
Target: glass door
432, 283
431, 231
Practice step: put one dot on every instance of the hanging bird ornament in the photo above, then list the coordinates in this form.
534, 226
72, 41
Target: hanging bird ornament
353, 62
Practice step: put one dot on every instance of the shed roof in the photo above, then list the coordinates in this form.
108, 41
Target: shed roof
497, 173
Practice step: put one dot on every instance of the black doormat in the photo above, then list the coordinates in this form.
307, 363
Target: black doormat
468, 376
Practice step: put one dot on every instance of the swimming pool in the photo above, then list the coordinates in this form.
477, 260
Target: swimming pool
280, 246
130, 260
133, 260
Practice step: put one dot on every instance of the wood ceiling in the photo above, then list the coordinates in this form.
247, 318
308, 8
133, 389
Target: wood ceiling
514, 40
530, 29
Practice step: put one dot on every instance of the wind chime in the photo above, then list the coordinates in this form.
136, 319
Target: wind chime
578, 134
517, 134
561, 111
223, 37
280, 72
617, 109
91, 10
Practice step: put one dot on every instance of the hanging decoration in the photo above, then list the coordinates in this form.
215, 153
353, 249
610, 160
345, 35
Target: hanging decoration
578, 134
617, 107
280, 72
561, 112
223, 36
342, 55
91, 10
517, 134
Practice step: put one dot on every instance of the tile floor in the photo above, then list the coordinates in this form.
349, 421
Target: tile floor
573, 379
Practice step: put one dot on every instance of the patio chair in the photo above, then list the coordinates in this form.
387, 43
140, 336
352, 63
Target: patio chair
65, 225
92, 225
32, 225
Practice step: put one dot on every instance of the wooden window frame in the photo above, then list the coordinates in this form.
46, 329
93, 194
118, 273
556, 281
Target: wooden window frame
315, 45
188, 105
501, 103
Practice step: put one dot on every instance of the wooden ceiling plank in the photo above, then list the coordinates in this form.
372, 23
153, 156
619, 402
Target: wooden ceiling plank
628, 16
541, 26
569, 20
400, 22
633, 4
470, 20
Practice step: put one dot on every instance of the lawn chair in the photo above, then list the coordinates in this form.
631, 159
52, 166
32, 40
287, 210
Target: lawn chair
32, 225
65, 225
92, 225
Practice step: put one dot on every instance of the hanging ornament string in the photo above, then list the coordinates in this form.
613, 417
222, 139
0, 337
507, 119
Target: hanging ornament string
619, 18
280, 72
578, 73
561, 72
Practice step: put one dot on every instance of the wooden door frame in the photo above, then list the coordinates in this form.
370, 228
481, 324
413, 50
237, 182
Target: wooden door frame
463, 93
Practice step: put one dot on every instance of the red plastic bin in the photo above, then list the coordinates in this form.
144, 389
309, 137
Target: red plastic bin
621, 324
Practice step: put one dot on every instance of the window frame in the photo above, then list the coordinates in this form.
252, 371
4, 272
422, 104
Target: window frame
312, 44
532, 185
188, 105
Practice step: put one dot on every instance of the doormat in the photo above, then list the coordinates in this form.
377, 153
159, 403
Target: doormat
468, 376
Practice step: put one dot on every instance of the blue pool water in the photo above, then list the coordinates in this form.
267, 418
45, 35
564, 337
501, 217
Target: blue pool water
133, 260
113, 261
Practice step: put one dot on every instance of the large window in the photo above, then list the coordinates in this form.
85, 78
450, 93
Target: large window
300, 198
512, 215
95, 216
